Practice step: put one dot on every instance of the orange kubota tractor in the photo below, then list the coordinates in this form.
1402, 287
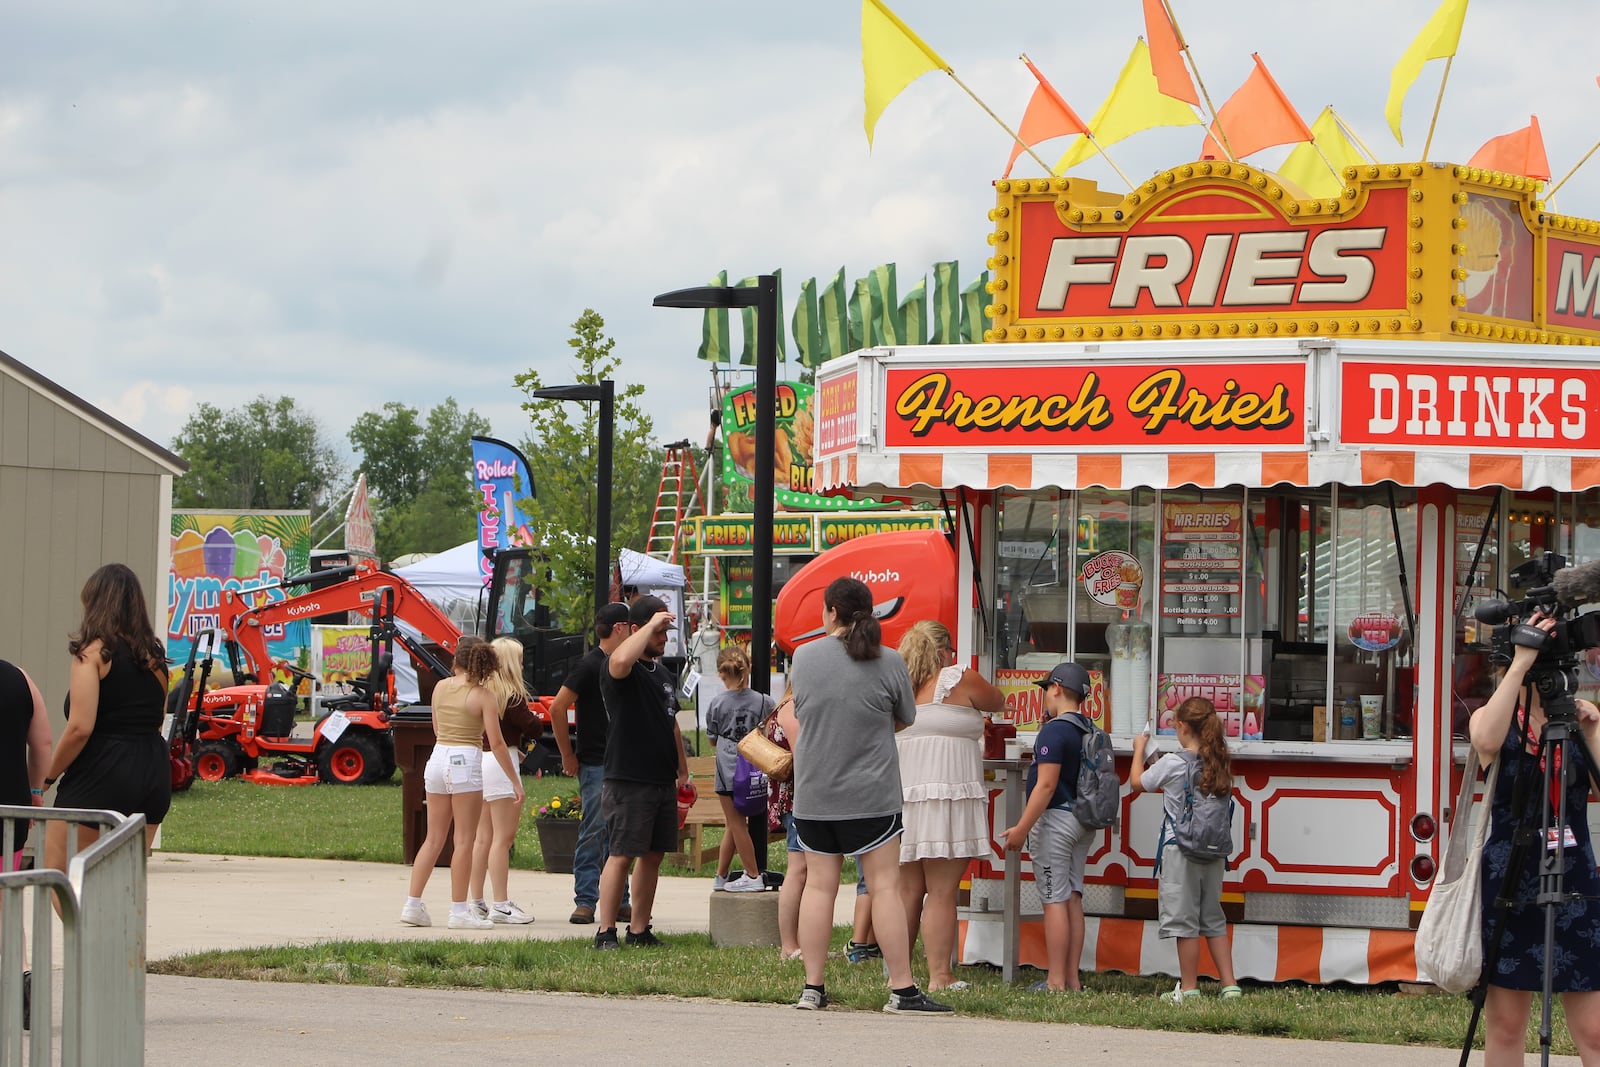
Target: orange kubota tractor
227, 732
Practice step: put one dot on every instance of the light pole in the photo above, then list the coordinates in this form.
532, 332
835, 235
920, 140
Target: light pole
764, 298
605, 393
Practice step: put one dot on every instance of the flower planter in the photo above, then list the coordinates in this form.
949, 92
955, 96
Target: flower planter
558, 841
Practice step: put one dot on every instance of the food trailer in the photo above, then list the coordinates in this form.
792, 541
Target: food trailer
1226, 440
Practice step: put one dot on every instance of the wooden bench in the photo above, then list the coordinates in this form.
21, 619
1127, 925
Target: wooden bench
693, 852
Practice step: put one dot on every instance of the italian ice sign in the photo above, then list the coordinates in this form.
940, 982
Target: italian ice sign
245, 551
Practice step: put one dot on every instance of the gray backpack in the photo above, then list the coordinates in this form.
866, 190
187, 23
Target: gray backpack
1099, 790
1203, 830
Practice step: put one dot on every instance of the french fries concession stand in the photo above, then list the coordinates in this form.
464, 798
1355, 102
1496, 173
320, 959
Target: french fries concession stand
1223, 440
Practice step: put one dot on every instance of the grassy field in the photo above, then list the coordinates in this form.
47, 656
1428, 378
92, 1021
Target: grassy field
691, 967
339, 822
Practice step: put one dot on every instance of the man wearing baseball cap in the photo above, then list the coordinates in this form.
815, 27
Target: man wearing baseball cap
645, 766
586, 759
1058, 843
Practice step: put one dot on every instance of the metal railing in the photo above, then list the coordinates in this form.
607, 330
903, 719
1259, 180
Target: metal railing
100, 901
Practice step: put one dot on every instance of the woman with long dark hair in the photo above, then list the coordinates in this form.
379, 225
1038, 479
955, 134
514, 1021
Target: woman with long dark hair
111, 753
851, 695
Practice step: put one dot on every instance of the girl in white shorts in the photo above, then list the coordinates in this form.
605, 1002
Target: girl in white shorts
502, 809
1190, 890
464, 710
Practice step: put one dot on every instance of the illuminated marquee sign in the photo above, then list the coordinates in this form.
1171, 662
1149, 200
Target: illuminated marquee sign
1464, 405
1092, 406
1216, 249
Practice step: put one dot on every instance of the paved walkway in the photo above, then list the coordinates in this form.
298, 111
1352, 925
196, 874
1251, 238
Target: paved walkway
200, 902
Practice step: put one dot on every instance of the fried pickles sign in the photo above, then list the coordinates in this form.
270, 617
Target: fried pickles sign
1255, 404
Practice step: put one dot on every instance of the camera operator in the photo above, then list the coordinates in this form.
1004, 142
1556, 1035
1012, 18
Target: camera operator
1497, 732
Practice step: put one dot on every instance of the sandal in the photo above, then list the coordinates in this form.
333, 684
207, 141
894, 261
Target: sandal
787, 957
954, 987
1180, 995
1231, 992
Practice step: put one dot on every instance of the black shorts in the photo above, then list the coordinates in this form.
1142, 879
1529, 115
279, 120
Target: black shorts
641, 817
130, 775
847, 837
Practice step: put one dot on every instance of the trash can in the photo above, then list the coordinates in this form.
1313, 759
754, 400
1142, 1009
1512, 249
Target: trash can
413, 743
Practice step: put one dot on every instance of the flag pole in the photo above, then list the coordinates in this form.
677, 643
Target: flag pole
1088, 133
1002, 122
1574, 170
1438, 100
1335, 171
1352, 134
1183, 43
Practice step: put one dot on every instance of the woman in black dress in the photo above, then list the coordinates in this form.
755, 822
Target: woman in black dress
1497, 731
111, 754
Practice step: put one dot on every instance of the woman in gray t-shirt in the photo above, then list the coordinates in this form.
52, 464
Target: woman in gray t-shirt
850, 696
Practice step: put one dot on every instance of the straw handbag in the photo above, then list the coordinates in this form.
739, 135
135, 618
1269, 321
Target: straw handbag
1449, 942
767, 756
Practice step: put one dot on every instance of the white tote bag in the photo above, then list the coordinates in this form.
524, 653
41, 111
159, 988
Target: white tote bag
1449, 941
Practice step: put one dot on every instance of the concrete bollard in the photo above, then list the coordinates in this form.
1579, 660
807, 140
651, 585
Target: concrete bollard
744, 918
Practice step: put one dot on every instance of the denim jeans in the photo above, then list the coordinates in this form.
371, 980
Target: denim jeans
592, 848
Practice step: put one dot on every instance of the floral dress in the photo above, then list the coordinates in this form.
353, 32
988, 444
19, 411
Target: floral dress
1577, 936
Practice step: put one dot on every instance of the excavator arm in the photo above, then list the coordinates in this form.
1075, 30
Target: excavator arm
362, 588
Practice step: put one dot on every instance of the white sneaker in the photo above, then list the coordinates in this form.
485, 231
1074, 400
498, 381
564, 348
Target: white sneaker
512, 915
468, 921
478, 908
718, 883
749, 883
415, 914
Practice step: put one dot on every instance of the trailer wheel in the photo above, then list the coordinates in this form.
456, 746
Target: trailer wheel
354, 759
216, 760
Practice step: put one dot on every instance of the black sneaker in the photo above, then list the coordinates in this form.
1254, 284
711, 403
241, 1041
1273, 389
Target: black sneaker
812, 1000
861, 952
916, 1004
643, 939
607, 939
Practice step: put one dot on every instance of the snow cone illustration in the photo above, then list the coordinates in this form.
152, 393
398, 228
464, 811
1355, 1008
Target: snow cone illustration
247, 554
188, 560
219, 552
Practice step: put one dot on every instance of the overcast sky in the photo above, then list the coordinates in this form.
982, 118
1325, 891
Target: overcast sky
356, 202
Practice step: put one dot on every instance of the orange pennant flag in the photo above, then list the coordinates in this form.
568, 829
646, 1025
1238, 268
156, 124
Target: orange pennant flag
1166, 54
1518, 152
1257, 116
1048, 116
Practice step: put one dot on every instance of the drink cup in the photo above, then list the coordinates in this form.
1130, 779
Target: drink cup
1371, 715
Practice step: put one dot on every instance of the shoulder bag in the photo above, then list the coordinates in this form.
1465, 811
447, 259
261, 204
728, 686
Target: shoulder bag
1449, 942
767, 756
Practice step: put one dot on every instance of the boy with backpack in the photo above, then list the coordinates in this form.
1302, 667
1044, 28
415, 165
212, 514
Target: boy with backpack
1073, 793
1196, 839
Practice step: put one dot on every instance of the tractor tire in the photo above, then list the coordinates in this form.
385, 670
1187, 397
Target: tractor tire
354, 759
215, 761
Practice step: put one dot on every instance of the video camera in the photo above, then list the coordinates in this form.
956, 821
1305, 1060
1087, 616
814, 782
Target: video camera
1553, 589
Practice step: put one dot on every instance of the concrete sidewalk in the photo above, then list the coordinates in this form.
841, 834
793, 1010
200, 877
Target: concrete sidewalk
203, 902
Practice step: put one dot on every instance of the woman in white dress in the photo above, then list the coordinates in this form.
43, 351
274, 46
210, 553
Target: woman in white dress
941, 776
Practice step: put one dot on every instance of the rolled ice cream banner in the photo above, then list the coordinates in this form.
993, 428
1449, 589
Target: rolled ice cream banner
245, 551
504, 481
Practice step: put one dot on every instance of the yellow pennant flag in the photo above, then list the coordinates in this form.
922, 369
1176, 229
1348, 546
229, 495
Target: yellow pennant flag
1305, 167
1438, 40
892, 57
1135, 104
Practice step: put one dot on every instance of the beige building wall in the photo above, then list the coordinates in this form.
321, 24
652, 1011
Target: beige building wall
77, 490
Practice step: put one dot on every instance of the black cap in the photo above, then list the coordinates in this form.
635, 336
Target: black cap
645, 608
1069, 676
611, 614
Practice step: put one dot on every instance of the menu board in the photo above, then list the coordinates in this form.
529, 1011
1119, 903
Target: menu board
1202, 565
1470, 522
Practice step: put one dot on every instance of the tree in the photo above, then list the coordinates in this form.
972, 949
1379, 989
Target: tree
268, 454
418, 474
561, 453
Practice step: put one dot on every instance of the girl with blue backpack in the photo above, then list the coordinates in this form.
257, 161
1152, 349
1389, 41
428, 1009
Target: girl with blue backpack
1196, 838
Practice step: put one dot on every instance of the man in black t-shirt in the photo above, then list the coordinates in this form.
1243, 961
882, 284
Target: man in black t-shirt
586, 759
644, 767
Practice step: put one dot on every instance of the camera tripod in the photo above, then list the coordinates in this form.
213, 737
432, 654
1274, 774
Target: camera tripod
1555, 686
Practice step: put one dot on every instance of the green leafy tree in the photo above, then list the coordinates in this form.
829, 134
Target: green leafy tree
418, 474
561, 452
268, 454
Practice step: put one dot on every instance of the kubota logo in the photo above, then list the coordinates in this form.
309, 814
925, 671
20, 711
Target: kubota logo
296, 610
875, 576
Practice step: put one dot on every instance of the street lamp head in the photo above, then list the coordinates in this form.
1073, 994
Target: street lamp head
711, 296
568, 392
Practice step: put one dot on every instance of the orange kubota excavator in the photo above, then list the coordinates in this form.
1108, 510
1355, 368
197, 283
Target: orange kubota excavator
230, 730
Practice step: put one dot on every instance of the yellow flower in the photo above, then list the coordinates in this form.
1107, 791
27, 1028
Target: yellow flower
556, 803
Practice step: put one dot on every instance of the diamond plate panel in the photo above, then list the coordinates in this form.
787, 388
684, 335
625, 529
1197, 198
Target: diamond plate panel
1307, 909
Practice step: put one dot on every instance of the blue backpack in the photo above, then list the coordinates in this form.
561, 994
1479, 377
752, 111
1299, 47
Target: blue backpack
1203, 830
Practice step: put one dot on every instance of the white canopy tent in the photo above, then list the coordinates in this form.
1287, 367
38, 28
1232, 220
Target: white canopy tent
453, 581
